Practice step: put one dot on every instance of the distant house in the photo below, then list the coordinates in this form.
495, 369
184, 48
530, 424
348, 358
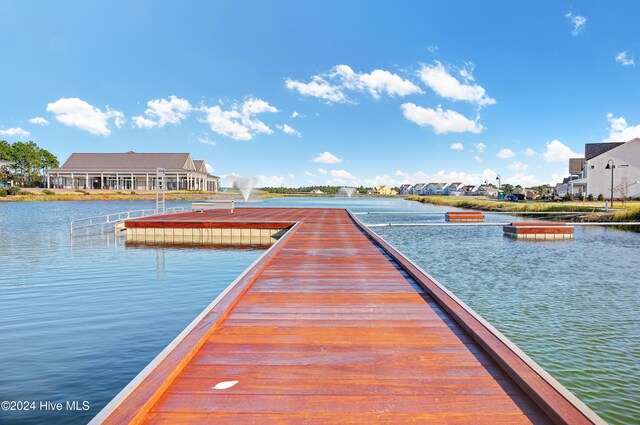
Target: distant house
405, 189
469, 190
451, 187
417, 188
131, 171
427, 189
438, 188
384, 190
317, 192
489, 191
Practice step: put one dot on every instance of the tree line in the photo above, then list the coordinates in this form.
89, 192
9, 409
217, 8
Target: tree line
28, 163
306, 189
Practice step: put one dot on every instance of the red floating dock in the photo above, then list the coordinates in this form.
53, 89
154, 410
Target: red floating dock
539, 231
462, 216
332, 325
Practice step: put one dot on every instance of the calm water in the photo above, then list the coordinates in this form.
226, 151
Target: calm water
79, 320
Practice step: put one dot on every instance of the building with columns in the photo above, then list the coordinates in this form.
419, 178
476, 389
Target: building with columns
131, 171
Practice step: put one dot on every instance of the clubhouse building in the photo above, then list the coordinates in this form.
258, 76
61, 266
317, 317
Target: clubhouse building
131, 171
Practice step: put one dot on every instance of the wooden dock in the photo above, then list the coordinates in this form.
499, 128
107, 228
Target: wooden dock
333, 325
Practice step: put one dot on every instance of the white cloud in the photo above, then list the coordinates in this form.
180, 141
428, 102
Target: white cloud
270, 181
205, 140
327, 158
295, 114
524, 180
478, 159
75, 112
318, 87
432, 48
529, 152
558, 152
518, 166
322, 171
579, 23
442, 121
457, 146
39, 121
624, 60
377, 83
343, 177
16, 131
620, 131
444, 177
480, 147
308, 173
208, 167
506, 153
447, 86
289, 130
239, 122
161, 112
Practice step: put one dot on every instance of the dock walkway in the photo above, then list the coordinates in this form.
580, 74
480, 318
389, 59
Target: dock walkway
332, 325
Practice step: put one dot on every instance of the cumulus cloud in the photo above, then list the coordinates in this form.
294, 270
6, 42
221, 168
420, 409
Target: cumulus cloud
343, 177
442, 121
447, 86
240, 121
317, 87
295, 114
477, 159
524, 180
322, 171
377, 83
39, 121
15, 131
506, 153
529, 152
579, 23
332, 85
480, 147
161, 112
271, 181
624, 60
327, 158
308, 173
457, 146
558, 152
620, 131
75, 112
518, 166
289, 130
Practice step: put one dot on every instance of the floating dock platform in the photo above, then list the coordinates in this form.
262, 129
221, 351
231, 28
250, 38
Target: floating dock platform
539, 231
332, 325
464, 216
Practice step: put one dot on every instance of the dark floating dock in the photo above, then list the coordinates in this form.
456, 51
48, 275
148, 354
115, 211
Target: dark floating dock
332, 325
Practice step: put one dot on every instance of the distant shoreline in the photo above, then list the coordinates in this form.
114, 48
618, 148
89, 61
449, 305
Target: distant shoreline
593, 210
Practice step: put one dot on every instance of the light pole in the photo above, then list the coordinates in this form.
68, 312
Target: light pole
611, 166
499, 181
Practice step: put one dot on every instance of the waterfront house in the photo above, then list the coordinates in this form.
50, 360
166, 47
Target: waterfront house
405, 189
384, 190
488, 191
592, 174
417, 188
451, 187
426, 190
131, 171
469, 190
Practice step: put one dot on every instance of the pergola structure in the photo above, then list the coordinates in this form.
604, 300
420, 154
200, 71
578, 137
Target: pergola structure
131, 171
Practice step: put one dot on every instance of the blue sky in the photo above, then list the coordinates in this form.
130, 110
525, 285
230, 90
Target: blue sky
306, 92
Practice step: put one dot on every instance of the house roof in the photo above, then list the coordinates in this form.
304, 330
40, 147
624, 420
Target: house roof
591, 150
199, 165
576, 165
130, 161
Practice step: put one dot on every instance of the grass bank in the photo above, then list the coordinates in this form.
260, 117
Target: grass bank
593, 210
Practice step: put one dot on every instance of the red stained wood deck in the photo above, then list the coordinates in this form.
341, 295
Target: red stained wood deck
333, 325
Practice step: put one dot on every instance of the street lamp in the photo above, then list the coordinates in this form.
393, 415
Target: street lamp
611, 166
499, 181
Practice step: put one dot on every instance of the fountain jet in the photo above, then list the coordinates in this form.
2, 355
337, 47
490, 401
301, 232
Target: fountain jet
346, 191
245, 185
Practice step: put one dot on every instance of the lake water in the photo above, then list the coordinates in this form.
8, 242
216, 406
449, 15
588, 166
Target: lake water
81, 317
